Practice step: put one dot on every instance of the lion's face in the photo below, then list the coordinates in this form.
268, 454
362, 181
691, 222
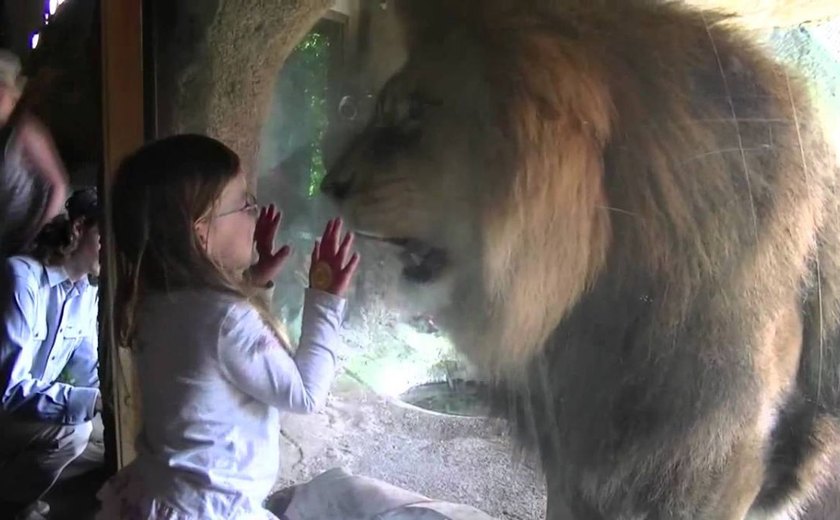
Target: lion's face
580, 174
411, 177
415, 177
443, 172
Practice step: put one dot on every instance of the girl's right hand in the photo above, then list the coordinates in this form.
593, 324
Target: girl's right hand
330, 270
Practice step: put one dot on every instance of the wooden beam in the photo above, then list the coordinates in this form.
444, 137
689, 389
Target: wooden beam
122, 110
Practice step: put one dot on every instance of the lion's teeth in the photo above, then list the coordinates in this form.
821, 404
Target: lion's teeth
419, 248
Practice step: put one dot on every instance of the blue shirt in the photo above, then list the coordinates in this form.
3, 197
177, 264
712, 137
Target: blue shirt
48, 346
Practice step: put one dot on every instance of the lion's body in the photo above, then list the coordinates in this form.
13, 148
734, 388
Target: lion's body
640, 224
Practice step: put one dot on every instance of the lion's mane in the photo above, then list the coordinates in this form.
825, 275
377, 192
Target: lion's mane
659, 254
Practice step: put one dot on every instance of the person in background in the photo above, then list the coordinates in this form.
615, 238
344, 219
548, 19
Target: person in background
33, 183
49, 384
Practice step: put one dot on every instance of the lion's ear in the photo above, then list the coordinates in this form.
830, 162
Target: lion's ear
417, 13
431, 20
427, 21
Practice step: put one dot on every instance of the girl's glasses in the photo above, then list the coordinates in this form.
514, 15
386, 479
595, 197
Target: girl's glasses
251, 207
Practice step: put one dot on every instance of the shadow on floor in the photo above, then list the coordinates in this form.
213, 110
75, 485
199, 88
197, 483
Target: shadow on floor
75, 498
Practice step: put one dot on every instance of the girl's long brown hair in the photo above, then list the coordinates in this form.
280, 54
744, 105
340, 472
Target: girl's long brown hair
160, 191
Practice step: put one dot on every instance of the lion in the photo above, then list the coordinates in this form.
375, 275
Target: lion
628, 214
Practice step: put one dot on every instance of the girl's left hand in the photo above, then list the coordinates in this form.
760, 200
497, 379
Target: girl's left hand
331, 270
270, 262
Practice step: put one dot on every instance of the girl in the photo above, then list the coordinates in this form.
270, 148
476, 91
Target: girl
214, 370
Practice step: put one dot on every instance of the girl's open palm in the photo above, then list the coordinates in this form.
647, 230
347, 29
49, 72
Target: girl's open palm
333, 266
270, 261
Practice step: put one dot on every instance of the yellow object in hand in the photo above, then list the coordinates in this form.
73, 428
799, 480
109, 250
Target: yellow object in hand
322, 276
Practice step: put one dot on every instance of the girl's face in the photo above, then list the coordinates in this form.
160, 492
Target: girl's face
227, 231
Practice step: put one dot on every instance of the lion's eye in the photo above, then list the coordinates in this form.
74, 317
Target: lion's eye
416, 107
403, 109
388, 111
400, 122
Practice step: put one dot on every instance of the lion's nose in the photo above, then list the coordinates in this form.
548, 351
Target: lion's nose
336, 187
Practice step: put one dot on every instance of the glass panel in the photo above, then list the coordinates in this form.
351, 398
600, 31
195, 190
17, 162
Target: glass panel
293, 87
291, 156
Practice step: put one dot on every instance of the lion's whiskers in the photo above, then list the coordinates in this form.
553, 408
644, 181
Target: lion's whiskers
721, 151
809, 184
740, 120
731, 103
619, 210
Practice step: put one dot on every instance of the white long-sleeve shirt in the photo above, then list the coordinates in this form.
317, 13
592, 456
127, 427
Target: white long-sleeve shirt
213, 379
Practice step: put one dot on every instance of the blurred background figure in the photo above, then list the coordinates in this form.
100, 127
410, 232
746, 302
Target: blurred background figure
50, 427
33, 183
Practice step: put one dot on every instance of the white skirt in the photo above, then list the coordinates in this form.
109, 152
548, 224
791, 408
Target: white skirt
125, 497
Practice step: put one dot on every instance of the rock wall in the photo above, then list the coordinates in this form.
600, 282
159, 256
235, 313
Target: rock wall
216, 62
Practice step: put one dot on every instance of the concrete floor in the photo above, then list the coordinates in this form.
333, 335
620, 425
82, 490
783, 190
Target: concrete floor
75, 499
466, 460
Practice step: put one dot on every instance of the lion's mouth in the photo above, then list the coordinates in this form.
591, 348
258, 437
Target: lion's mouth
422, 262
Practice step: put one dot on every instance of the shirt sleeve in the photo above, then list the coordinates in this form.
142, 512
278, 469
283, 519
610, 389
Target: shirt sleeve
256, 362
23, 394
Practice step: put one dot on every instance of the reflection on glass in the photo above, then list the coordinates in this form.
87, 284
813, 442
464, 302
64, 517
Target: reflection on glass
390, 352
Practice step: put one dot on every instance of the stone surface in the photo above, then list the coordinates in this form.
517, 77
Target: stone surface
465, 460
217, 61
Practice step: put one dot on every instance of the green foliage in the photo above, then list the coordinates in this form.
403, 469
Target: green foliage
298, 118
311, 58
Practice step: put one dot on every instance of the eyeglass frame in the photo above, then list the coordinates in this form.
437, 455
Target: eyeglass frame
251, 207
